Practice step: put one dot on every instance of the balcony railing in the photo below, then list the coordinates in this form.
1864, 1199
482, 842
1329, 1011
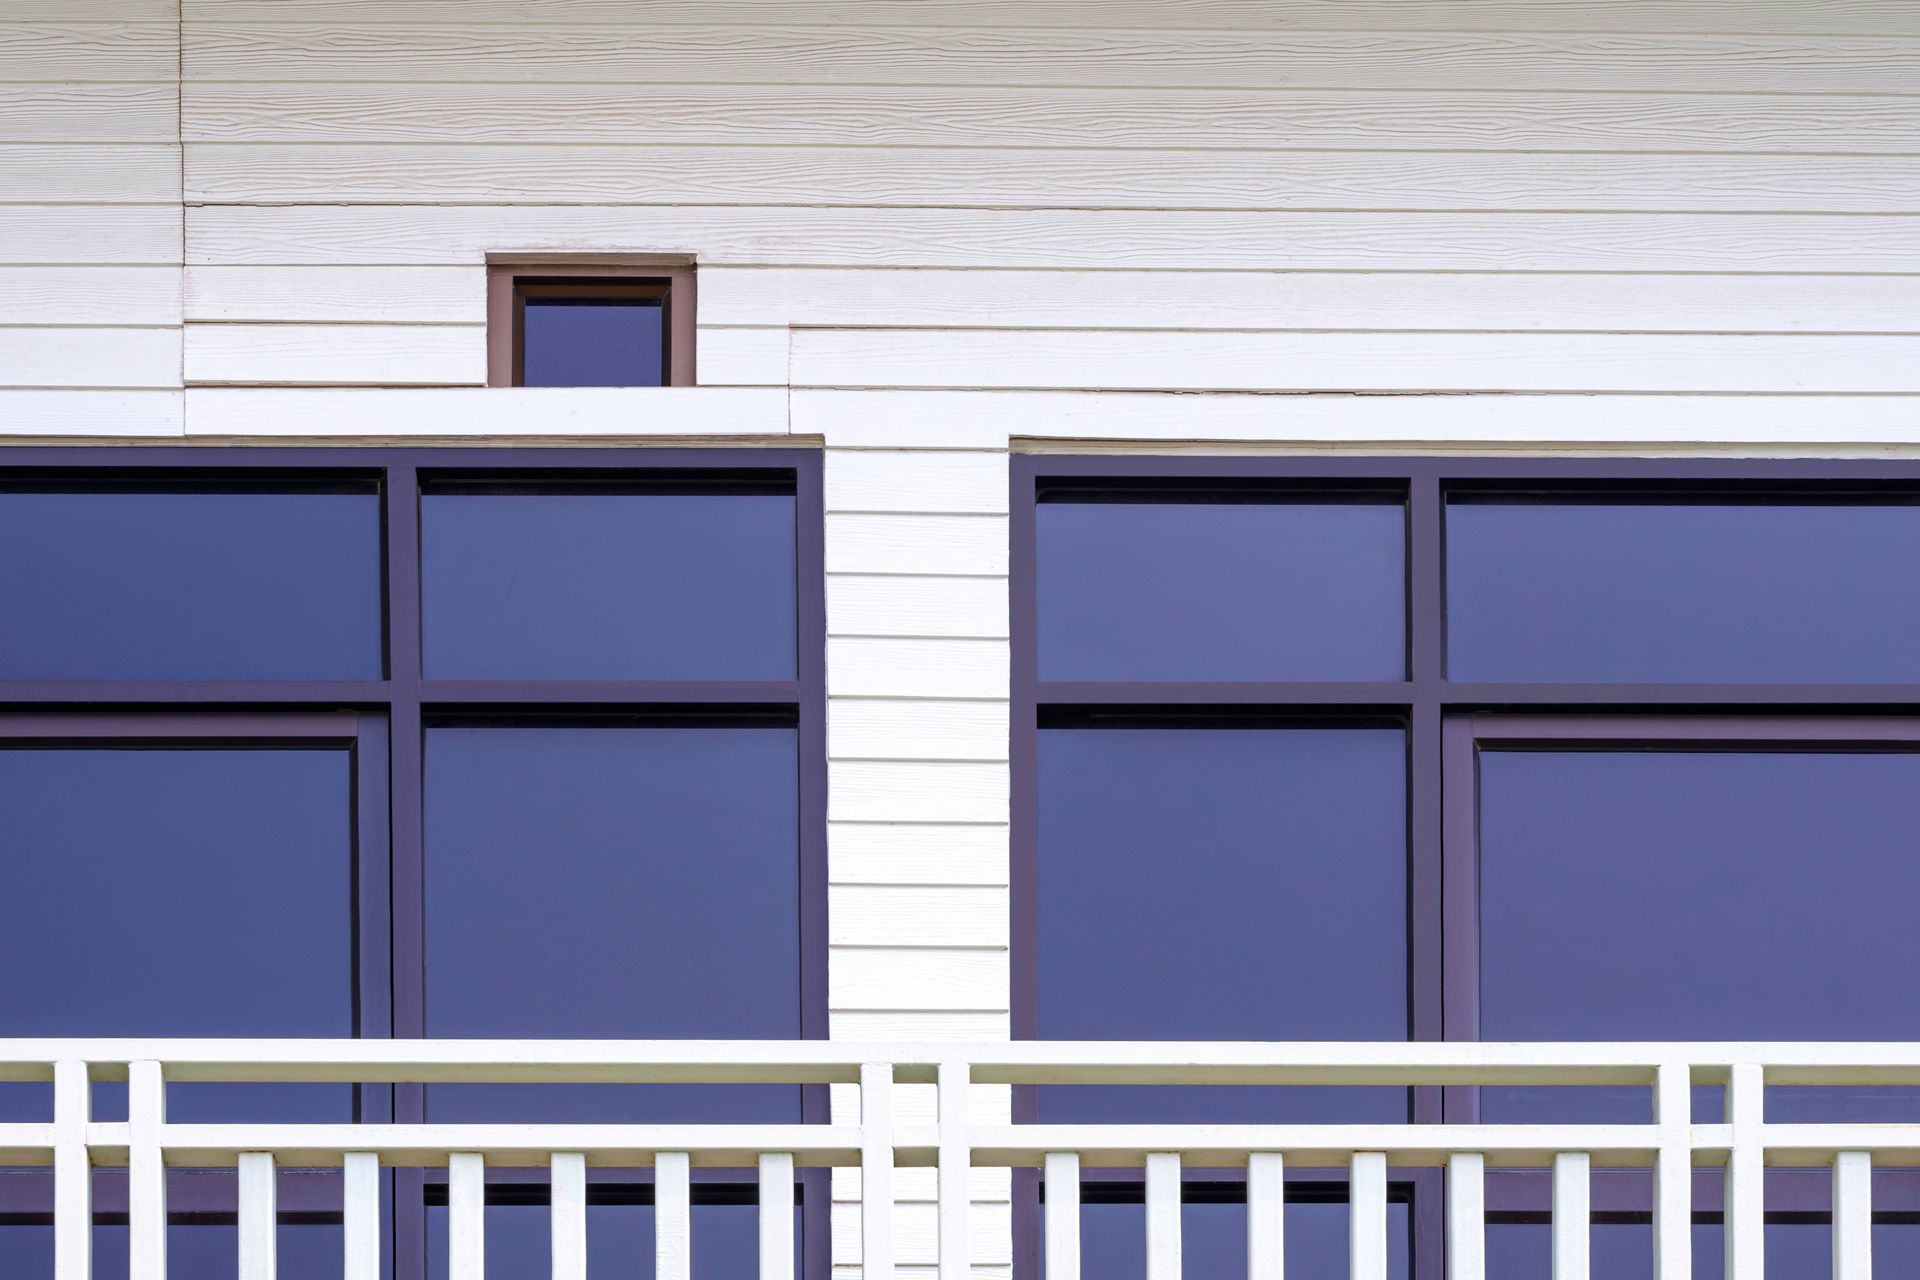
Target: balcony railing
1671, 1145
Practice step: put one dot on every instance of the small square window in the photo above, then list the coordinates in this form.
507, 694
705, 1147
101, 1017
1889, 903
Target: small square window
590, 327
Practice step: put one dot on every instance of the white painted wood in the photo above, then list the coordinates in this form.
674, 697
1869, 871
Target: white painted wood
323, 355
67, 112
1163, 1216
1062, 1172
72, 1172
1055, 56
101, 174
421, 235
1572, 1216
1093, 360
1196, 115
89, 51
946, 544
916, 915
79, 234
361, 1216
956, 1149
1266, 1216
340, 295
466, 1216
91, 295
1297, 300
1853, 1216
568, 1207
915, 668
923, 983
876, 1171
916, 791
259, 1216
742, 357
1367, 1216
933, 1026
672, 1217
776, 1217
146, 1171
916, 1230
917, 1107
1467, 1217
142, 414
1746, 1189
1673, 1174
918, 729
917, 853
917, 481
76, 358
907, 605
651, 413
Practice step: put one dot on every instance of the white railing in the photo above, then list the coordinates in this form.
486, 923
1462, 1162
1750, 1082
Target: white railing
1671, 1145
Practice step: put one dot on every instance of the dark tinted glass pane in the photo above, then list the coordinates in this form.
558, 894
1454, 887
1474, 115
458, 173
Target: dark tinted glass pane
180, 893
593, 342
1573, 591
1213, 1239
1182, 871
546, 586
1692, 895
613, 883
619, 1241
1221, 591
1624, 1251
190, 586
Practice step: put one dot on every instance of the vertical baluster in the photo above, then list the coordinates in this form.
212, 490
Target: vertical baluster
1063, 1215
567, 1203
776, 1217
146, 1172
1572, 1212
1746, 1191
360, 1215
259, 1215
672, 1216
72, 1173
1673, 1173
1853, 1216
876, 1171
1367, 1216
1266, 1216
1163, 1216
1466, 1216
466, 1216
956, 1169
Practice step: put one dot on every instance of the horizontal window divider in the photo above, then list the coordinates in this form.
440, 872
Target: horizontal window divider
82, 693
1626, 697
1395, 694
629, 692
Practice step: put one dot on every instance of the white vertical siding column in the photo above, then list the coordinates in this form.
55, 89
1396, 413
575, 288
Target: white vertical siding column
672, 1216
466, 1216
72, 1172
1266, 1216
1853, 1216
146, 1172
776, 1217
360, 1201
1367, 1216
259, 1215
567, 1205
1746, 1190
1063, 1216
1163, 1216
1673, 1174
1572, 1212
956, 1169
876, 1171
1467, 1216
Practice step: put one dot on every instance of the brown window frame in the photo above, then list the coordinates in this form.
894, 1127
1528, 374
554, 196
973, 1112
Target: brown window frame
510, 284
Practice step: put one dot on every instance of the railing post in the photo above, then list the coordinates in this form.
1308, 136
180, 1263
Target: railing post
1746, 1190
567, 1204
360, 1215
1673, 1173
1853, 1216
1063, 1215
876, 1171
1467, 1216
1266, 1216
466, 1216
776, 1217
956, 1169
1367, 1216
72, 1172
259, 1215
146, 1172
1163, 1216
1572, 1215
672, 1216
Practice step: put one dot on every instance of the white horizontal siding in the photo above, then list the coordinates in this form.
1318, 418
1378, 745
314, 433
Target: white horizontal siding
58, 173
94, 414
910, 605
755, 357
85, 233
917, 481
690, 413
91, 295
89, 357
919, 729
69, 51
366, 355
90, 113
363, 295
913, 980
918, 853
917, 916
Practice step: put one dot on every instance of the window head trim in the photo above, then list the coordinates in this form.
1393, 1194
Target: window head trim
509, 285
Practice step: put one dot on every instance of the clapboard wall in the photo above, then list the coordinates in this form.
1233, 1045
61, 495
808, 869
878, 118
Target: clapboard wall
932, 230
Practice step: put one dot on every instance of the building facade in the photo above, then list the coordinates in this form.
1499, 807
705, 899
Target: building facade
1374, 524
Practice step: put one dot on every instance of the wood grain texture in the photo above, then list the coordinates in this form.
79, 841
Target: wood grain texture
916, 729
915, 481
916, 853
389, 295
89, 233
62, 357
665, 415
911, 605
50, 172
1194, 116
91, 295
932, 298
1047, 56
89, 10
910, 979
311, 355
132, 414
755, 357
1242, 361
426, 235
63, 51
859, 543
124, 113
1131, 179
917, 916
859, 667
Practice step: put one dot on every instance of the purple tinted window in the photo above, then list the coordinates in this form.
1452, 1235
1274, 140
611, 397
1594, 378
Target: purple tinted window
1214, 1239
190, 586
202, 1250
593, 342
1624, 1250
1231, 588
574, 880
1181, 870
524, 584
619, 1241
1652, 592
1639, 895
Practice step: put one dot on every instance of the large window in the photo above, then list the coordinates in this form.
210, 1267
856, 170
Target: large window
380, 743
1458, 749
